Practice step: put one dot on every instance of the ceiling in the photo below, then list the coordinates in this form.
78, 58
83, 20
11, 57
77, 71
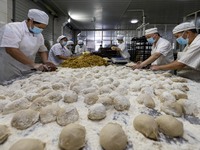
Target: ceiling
117, 14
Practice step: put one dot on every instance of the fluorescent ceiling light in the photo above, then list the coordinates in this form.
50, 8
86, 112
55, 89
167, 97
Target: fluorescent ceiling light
134, 21
69, 20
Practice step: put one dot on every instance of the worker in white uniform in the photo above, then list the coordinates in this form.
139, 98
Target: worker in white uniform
19, 43
80, 48
58, 52
121, 47
188, 63
161, 53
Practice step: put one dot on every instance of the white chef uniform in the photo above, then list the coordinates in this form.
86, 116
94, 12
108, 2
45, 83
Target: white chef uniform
124, 52
57, 50
191, 57
17, 35
163, 47
79, 50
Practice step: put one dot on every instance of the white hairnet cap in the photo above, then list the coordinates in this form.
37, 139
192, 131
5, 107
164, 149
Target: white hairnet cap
38, 16
60, 38
80, 41
120, 37
183, 27
70, 42
151, 31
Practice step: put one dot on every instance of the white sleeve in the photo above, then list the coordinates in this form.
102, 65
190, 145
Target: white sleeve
11, 36
76, 49
191, 57
56, 50
163, 48
42, 48
122, 47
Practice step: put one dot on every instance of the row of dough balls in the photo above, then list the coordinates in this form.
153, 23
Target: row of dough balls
175, 103
150, 127
24, 119
112, 136
72, 137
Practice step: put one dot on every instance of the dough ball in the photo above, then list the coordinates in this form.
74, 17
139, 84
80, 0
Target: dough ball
180, 86
40, 102
167, 74
72, 137
54, 96
121, 103
167, 96
179, 94
89, 90
146, 99
24, 119
76, 89
190, 108
17, 105
159, 92
67, 115
146, 125
32, 96
58, 86
148, 90
179, 79
45, 92
122, 90
2, 97
172, 108
49, 113
170, 126
97, 112
112, 137
135, 87
70, 97
116, 83
3, 104
17, 95
106, 100
105, 89
28, 144
91, 98
4, 133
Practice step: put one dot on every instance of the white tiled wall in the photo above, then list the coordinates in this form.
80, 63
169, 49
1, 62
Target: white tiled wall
5, 11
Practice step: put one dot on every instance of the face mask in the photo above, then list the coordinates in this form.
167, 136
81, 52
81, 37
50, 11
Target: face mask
81, 45
182, 41
63, 43
151, 40
35, 30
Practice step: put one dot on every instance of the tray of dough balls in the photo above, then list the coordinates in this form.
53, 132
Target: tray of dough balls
100, 108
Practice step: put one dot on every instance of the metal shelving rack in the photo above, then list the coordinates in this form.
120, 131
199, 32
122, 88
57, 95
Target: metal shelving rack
140, 49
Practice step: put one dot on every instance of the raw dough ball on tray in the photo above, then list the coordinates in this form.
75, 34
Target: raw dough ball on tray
70, 97
170, 126
4, 133
54, 96
24, 119
28, 144
17, 105
72, 137
49, 113
67, 115
112, 137
172, 108
97, 112
40, 102
91, 98
121, 103
146, 125
146, 99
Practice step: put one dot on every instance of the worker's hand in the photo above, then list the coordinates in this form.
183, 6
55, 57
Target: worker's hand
154, 67
38, 67
138, 65
49, 66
